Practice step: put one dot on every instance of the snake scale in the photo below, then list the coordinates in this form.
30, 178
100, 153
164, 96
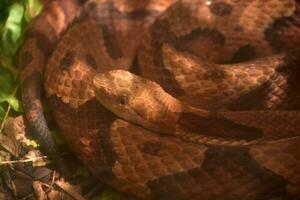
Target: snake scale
225, 74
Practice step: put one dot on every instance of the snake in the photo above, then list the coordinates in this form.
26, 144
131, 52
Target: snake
188, 99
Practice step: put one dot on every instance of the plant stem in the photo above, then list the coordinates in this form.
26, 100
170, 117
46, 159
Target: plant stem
8, 110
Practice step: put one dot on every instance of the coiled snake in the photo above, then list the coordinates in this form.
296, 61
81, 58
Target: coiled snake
219, 118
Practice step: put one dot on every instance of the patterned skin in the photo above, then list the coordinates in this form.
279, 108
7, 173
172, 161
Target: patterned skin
206, 33
40, 39
145, 103
106, 36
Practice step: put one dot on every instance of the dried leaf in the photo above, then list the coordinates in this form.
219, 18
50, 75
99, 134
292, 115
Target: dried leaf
70, 189
23, 187
15, 127
57, 195
4, 156
10, 144
2, 195
42, 174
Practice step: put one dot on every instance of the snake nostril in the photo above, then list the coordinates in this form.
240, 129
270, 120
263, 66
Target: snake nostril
123, 100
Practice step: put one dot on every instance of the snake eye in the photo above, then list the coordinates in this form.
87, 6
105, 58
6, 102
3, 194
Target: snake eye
123, 100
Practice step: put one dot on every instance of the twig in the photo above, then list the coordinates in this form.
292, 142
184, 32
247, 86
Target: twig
30, 196
47, 185
22, 161
8, 110
52, 182
38, 190
69, 191
97, 189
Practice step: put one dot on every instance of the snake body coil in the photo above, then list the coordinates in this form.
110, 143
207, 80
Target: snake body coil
238, 59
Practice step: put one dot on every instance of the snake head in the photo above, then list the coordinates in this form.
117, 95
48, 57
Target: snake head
127, 95
114, 87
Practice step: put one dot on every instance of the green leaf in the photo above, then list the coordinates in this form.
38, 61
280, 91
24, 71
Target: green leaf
81, 171
59, 139
13, 29
3, 10
108, 194
8, 63
2, 113
32, 9
12, 101
6, 81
